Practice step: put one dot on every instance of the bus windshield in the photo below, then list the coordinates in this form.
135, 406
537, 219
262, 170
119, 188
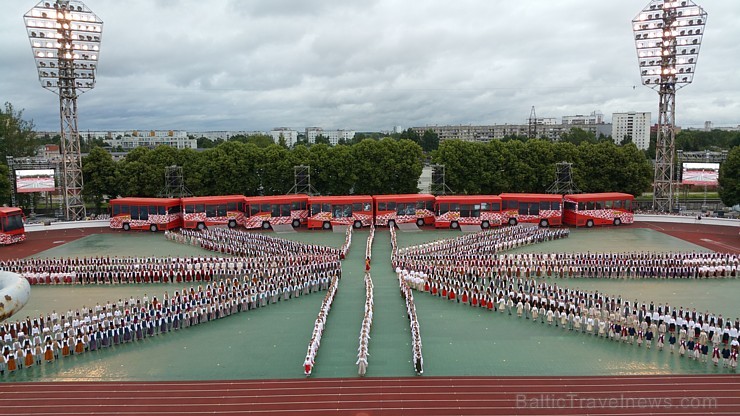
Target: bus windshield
12, 223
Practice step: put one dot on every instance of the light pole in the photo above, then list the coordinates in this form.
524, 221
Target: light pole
668, 36
65, 40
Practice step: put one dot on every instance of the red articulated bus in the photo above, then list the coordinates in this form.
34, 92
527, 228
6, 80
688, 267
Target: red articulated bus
12, 229
454, 211
266, 211
542, 209
204, 211
151, 214
608, 208
401, 209
327, 211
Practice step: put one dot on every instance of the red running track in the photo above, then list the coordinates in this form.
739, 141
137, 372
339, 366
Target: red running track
630, 395
713, 237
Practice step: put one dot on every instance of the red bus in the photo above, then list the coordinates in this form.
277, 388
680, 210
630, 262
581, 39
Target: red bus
204, 211
609, 208
11, 226
454, 211
151, 214
265, 211
542, 209
327, 211
400, 209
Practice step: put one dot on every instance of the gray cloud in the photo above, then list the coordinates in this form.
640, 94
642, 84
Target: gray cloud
367, 65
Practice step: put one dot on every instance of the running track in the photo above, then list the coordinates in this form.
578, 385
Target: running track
633, 395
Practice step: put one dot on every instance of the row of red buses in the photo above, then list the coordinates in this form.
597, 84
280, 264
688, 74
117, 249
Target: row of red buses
12, 229
358, 211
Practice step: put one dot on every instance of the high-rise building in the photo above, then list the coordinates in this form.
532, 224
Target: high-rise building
334, 136
635, 125
290, 136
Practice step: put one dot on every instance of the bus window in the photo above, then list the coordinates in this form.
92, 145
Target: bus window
116, 210
125, 209
347, 210
496, 207
476, 211
134, 212
618, 204
465, 210
315, 209
381, 206
275, 210
285, 210
152, 209
608, 204
599, 204
544, 205
144, 213
161, 210
443, 209
589, 206
189, 209
325, 207
485, 206
391, 206
12, 223
254, 209
221, 210
628, 205
555, 205
523, 208
454, 207
357, 206
265, 208
303, 205
534, 208
367, 207
210, 210
430, 205
581, 206
174, 210
571, 206
231, 206
401, 208
511, 205
200, 208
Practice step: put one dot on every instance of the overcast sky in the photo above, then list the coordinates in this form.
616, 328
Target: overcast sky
367, 65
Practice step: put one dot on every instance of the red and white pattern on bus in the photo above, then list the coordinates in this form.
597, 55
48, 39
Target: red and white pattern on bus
402, 219
201, 217
117, 222
365, 219
6, 239
544, 214
256, 221
450, 216
608, 215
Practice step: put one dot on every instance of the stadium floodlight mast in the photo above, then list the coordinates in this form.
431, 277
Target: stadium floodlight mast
668, 36
65, 40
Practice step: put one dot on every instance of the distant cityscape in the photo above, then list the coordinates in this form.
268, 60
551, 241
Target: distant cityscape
633, 125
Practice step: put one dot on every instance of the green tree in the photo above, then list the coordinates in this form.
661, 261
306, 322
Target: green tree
259, 140
100, 176
321, 139
429, 141
5, 186
410, 134
282, 142
577, 136
729, 178
17, 137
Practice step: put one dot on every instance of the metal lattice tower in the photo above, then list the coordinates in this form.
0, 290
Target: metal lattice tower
532, 132
563, 184
439, 185
668, 37
174, 183
65, 40
302, 175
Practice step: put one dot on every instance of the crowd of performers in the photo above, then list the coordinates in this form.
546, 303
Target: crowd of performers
690, 333
247, 283
407, 294
347, 243
319, 326
367, 324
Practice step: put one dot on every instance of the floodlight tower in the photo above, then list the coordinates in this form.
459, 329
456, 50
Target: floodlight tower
668, 36
65, 40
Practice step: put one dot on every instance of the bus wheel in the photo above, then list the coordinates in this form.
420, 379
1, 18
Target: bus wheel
265, 225
232, 223
153, 228
544, 223
485, 225
201, 226
589, 223
296, 223
326, 225
126, 227
617, 222
391, 224
454, 225
420, 222
512, 221
357, 224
